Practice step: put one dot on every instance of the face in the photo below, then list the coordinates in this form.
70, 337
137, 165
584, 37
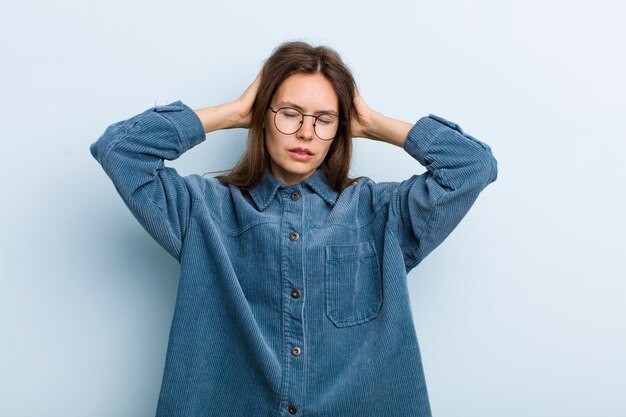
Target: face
314, 94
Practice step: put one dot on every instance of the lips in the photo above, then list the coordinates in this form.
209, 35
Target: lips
300, 154
303, 151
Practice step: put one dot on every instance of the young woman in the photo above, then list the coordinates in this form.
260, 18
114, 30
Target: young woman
293, 297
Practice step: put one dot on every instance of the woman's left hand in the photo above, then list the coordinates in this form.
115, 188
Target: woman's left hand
363, 121
370, 124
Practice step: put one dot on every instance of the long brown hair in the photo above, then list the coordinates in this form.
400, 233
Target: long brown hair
287, 59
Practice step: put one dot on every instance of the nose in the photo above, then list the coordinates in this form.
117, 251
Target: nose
307, 130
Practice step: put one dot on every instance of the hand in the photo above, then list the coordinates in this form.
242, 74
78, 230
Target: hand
244, 103
363, 121
370, 124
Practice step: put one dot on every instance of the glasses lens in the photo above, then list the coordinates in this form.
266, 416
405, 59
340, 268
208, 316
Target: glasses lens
289, 120
326, 126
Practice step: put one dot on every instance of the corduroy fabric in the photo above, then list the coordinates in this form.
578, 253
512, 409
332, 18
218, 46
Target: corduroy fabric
292, 300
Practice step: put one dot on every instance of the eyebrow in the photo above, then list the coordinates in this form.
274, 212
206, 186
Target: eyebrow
289, 103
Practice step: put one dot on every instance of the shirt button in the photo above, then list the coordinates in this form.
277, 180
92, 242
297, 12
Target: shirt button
294, 236
295, 196
295, 293
292, 409
295, 351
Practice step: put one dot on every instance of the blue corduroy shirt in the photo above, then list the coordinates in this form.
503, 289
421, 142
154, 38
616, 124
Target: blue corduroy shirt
292, 299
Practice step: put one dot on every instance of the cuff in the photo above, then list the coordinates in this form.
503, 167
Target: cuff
185, 120
421, 135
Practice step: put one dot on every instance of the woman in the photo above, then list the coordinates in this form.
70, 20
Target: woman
292, 297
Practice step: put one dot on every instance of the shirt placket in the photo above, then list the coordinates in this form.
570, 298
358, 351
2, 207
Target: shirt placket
292, 273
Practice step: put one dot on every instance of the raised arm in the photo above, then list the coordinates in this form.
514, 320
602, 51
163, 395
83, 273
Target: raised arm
426, 208
132, 153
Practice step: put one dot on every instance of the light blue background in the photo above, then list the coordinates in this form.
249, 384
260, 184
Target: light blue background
520, 312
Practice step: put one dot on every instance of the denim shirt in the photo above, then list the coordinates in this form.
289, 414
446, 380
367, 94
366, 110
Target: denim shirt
292, 299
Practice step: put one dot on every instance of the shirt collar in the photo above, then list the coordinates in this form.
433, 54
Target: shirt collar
318, 183
263, 193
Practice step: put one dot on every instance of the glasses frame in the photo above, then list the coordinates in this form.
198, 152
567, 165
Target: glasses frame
302, 121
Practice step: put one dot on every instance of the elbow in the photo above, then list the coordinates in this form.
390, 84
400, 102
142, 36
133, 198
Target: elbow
486, 170
99, 148
93, 149
488, 164
490, 169
480, 173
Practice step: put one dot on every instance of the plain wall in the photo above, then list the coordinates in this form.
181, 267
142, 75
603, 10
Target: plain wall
520, 312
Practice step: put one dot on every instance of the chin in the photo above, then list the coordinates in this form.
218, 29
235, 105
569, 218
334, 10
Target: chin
296, 169
300, 168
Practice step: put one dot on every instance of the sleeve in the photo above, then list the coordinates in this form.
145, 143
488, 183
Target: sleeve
426, 208
132, 151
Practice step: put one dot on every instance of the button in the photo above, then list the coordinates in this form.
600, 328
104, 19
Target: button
295, 293
294, 236
446, 122
292, 409
295, 351
295, 196
168, 107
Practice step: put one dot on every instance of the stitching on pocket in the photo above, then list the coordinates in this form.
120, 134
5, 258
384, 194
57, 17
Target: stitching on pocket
353, 284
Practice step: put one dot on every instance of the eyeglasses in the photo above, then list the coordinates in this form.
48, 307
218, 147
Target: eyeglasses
289, 120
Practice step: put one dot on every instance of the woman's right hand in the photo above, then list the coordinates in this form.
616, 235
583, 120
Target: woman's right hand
245, 101
232, 114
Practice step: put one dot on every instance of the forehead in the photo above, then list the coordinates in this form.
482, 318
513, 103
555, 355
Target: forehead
312, 92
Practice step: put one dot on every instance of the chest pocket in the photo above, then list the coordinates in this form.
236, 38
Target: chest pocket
353, 284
